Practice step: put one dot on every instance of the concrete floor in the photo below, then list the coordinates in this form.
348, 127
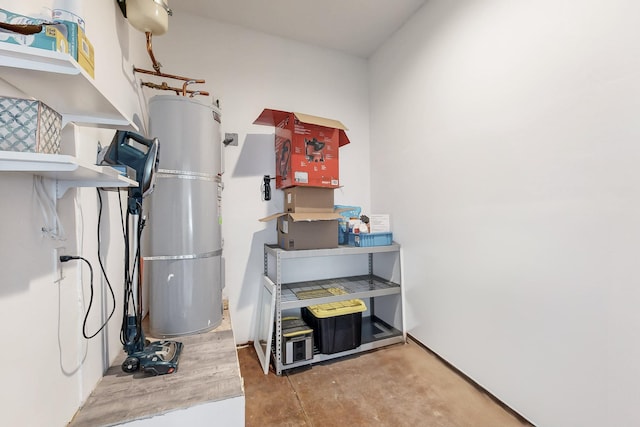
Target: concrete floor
400, 385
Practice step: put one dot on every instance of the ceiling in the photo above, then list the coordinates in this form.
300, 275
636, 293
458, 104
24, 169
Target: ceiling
356, 27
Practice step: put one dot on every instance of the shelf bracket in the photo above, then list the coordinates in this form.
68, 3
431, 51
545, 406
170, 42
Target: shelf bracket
63, 185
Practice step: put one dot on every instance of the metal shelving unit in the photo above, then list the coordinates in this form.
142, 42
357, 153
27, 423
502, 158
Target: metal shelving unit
376, 332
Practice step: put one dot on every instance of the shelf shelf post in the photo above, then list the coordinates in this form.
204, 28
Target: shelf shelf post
278, 314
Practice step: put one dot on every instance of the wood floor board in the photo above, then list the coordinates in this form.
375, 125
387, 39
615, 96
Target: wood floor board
208, 371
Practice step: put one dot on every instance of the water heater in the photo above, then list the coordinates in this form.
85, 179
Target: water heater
183, 270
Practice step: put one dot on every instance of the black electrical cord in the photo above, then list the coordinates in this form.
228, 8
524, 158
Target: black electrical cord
104, 272
129, 274
66, 258
127, 282
129, 291
136, 271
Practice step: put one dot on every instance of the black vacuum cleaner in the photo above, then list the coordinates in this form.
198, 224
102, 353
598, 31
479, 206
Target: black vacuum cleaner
141, 155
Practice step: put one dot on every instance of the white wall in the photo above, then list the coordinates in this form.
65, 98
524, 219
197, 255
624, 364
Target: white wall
511, 128
50, 369
505, 146
249, 71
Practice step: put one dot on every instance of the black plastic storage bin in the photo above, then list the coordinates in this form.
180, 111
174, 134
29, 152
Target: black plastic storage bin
336, 326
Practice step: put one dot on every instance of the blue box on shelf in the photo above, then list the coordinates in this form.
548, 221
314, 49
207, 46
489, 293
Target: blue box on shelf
346, 212
370, 239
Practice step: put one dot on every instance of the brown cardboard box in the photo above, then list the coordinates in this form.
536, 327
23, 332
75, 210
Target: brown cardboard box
306, 230
308, 199
306, 148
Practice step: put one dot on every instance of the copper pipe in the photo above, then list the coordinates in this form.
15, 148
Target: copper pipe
177, 90
164, 85
184, 87
169, 76
156, 64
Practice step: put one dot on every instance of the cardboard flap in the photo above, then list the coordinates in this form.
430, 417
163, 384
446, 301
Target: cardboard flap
320, 121
344, 140
313, 216
330, 123
270, 117
272, 217
303, 216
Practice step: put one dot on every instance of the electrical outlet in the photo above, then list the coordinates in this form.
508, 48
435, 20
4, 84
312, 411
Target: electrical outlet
57, 265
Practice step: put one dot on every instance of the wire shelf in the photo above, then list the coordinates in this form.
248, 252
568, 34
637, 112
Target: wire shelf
301, 294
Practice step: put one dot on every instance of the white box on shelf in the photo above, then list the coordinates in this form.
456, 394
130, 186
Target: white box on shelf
379, 223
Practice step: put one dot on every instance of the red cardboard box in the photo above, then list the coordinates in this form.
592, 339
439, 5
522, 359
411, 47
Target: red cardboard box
306, 148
